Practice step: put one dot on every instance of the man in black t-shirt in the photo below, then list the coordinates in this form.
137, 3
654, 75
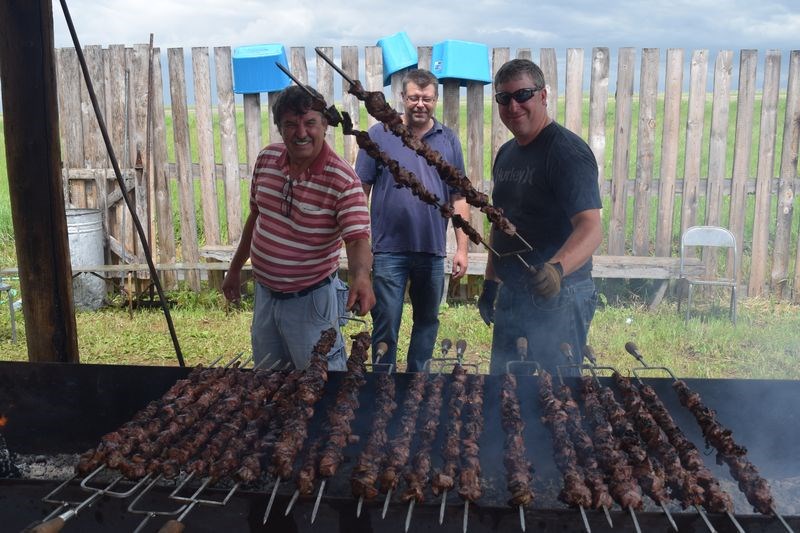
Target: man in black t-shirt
545, 180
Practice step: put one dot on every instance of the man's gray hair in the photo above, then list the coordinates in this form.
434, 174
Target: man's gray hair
421, 78
516, 68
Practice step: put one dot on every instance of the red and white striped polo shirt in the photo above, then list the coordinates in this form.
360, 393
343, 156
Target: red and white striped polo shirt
328, 206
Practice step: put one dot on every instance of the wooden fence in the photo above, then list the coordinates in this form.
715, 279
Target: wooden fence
654, 200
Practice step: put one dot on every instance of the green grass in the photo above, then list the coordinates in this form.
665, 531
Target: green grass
764, 343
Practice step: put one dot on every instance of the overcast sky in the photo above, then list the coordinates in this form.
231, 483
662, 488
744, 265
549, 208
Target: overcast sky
688, 24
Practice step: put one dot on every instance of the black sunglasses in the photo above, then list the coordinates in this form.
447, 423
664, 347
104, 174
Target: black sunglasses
519, 96
288, 197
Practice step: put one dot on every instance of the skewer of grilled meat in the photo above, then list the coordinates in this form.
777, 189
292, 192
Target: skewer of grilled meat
576, 492
365, 472
716, 500
444, 478
518, 468
469, 481
584, 448
649, 473
399, 446
683, 484
310, 387
624, 488
754, 487
376, 105
416, 474
343, 412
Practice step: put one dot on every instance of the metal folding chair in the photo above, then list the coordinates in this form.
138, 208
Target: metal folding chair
709, 237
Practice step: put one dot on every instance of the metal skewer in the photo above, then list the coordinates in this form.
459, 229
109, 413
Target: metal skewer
271, 499
705, 519
408, 514
291, 502
335, 67
386, 503
441, 507
635, 520
608, 516
669, 517
360, 505
735, 522
788, 528
585, 519
319, 499
521, 518
466, 514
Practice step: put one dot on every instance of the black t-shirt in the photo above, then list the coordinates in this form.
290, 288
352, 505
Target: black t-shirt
540, 187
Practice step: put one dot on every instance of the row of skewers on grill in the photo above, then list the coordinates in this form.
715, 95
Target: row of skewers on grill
619, 452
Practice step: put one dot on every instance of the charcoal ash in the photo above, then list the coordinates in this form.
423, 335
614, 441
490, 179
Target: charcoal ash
8, 468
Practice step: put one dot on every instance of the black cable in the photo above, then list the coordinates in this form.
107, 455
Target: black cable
139, 230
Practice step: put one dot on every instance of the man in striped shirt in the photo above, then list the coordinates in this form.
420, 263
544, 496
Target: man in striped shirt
305, 201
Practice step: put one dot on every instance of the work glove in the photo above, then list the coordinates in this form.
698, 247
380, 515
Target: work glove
546, 280
486, 300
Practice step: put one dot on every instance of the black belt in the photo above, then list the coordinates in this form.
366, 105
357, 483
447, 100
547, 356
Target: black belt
298, 294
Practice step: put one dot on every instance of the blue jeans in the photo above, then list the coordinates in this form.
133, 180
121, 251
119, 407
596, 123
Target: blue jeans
544, 323
287, 330
425, 274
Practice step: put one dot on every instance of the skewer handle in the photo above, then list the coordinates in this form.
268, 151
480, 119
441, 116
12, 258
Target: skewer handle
446, 345
522, 348
380, 350
632, 349
51, 526
566, 350
461, 347
588, 353
173, 526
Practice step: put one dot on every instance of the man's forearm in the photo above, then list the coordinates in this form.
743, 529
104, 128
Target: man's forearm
461, 208
359, 258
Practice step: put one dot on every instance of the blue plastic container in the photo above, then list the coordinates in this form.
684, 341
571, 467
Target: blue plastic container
254, 69
398, 53
461, 60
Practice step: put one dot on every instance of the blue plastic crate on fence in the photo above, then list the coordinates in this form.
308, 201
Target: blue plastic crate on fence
398, 53
461, 60
254, 69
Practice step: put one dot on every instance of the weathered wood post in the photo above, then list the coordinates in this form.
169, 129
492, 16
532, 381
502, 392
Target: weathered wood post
30, 115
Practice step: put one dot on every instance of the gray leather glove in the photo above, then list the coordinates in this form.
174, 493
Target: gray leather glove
486, 300
546, 280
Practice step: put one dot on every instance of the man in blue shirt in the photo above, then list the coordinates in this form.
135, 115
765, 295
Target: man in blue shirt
408, 235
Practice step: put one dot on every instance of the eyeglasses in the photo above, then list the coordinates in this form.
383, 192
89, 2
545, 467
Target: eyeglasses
414, 99
288, 197
520, 96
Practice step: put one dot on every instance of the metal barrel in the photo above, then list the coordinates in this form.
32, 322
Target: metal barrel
85, 232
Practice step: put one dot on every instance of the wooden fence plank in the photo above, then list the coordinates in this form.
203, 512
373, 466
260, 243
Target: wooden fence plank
764, 173
325, 84
165, 236
299, 66
787, 173
228, 143
69, 106
252, 129
717, 149
500, 135
117, 124
742, 144
374, 75
350, 102
598, 105
673, 83
524, 53
694, 138
451, 104
573, 113
621, 159
718, 139
139, 61
94, 151
645, 150
424, 57
201, 69
475, 152
549, 66
180, 126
